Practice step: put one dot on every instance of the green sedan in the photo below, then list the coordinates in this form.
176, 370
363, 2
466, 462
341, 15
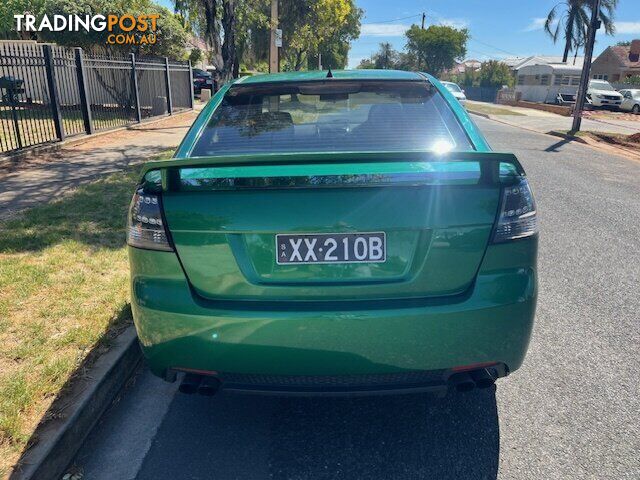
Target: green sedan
333, 233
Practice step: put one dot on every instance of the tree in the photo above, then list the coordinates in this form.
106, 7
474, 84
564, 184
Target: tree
195, 56
387, 57
571, 18
437, 48
367, 64
171, 34
495, 74
223, 24
310, 27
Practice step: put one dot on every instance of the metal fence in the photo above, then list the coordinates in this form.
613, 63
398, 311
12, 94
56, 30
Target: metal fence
48, 92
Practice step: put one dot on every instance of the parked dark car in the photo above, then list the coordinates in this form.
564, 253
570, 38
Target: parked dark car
202, 79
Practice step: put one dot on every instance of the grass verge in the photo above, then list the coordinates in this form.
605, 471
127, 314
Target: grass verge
63, 295
490, 109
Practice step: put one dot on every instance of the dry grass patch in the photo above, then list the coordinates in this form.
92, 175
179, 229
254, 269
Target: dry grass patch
63, 291
489, 109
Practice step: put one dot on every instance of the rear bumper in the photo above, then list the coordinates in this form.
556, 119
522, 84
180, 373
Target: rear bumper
491, 323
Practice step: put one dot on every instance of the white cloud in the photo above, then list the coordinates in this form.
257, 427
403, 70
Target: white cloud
454, 22
384, 29
536, 24
628, 28
399, 29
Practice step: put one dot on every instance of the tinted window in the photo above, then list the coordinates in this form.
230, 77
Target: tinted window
332, 116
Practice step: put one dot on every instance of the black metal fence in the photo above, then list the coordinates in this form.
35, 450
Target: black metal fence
48, 92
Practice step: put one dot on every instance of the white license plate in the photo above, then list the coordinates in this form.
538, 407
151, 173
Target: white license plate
331, 248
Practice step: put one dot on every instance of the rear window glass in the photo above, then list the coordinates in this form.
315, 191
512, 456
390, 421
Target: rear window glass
330, 116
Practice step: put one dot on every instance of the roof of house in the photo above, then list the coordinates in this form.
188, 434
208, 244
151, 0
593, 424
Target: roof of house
364, 74
622, 52
548, 59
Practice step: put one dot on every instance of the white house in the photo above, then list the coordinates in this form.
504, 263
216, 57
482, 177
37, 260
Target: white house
543, 82
516, 63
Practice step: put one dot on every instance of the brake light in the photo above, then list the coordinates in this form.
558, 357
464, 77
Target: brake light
518, 216
145, 225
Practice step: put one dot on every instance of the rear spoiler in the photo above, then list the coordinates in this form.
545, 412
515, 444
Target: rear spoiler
169, 169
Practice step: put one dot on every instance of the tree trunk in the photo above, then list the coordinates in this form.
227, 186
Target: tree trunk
299, 57
212, 35
229, 44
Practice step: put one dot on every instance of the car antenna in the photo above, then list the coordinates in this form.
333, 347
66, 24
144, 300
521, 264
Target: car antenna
329, 74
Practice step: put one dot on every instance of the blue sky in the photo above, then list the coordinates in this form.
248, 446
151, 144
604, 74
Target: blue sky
498, 28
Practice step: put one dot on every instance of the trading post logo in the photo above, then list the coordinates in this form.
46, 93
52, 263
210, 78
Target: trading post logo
122, 29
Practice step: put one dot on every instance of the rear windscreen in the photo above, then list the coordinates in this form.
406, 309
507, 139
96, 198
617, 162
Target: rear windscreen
332, 116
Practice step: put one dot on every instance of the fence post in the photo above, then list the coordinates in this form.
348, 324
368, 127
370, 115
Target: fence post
83, 91
191, 86
168, 77
53, 91
134, 86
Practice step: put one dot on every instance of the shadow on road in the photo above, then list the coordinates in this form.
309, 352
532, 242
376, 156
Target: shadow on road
555, 148
392, 437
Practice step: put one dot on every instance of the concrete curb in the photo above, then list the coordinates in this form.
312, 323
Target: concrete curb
620, 151
60, 439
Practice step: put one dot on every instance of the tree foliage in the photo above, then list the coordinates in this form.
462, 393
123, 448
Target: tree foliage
570, 19
436, 48
388, 58
310, 27
195, 56
171, 34
495, 74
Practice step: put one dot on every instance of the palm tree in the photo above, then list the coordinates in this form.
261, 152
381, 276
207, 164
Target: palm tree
571, 19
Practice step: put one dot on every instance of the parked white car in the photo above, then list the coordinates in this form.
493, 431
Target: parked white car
630, 100
602, 94
457, 92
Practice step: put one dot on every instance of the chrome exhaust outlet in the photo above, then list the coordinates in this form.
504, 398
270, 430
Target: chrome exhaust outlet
462, 382
482, 378
209, 386
190, 383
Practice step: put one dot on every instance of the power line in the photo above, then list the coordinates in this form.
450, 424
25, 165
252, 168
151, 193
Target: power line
492, 46
394, 20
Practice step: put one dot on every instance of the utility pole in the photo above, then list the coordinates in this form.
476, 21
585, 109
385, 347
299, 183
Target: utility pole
594, 25
319, 61
273, 49
423, 17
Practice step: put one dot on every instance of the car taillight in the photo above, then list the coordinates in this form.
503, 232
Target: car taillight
518, 218
145, 226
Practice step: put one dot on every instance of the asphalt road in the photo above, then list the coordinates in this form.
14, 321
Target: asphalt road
572, 411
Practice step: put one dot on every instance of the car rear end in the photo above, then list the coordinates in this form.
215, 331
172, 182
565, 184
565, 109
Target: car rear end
334, 236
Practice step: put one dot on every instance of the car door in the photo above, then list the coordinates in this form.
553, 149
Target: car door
627, 100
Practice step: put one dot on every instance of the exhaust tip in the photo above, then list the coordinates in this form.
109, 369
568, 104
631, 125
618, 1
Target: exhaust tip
190, 383
209, 386
462, 382
482, 378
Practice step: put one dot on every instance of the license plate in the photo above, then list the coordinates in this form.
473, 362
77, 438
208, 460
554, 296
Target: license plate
331, 248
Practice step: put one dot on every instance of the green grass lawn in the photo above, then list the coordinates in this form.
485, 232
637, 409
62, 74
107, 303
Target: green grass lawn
63, 294
489, 109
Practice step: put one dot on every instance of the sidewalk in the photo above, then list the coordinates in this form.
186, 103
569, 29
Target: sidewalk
544, 122
49, 174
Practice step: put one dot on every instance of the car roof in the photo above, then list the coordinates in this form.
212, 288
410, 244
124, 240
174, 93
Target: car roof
315, 75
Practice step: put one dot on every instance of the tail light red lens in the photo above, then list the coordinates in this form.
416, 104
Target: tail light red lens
518, 215
146, 227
